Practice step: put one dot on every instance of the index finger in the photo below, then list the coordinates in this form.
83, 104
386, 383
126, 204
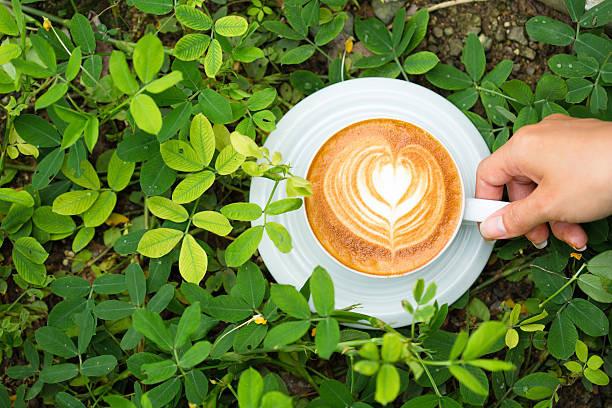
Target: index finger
493, 173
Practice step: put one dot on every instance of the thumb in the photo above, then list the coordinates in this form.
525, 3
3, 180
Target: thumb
517, 218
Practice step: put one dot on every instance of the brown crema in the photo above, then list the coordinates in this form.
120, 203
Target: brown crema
387, 197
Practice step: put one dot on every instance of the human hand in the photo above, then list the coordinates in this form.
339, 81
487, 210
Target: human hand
558, 171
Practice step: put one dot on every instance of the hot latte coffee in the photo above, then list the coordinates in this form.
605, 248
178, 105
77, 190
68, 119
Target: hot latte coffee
387, 197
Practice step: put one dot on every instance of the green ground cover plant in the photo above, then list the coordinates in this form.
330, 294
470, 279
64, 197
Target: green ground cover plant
175, 309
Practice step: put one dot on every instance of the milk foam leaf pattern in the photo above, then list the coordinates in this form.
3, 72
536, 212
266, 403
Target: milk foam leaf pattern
549, 31
193, 18
146, 114
250, 389
286, 333
167, 209
290, 301
193, 260
202, 138
322, 291
153, 328
158, 242
387, 384
74, 202
279, 235
193, 186
148, 57
191, 46
212, 221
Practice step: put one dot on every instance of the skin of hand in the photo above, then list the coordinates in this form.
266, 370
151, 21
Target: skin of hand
558, 171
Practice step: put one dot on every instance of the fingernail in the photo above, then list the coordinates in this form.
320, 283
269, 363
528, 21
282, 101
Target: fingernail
581, 249
541, 244
493, 228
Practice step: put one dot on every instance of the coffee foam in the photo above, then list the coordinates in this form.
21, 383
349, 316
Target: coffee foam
386, 196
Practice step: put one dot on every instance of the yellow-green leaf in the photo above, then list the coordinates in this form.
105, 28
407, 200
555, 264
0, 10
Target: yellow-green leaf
191, 46
8, 52
179, 155
202, 138
213, 59
192, 18
74, 202
88, 179
148, 57
228, 160
100, 210
245, 145
212, 221
231, 26
158, 242
165, 82
167, 209
13, 196
121, 75
146, 114
119, 172
192, 260
193, 186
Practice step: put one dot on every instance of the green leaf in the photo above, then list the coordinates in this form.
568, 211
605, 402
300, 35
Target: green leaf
419, 21
212, 221
374, 35
464, 99
247, 53
279, 235
36, 131
265, 120
573, 366
481, 341
32, 69
601, 265
19, 197
276, 399
55, 341
245, 145
191, 46
158, 371
8, 25
322, 290
91, 132
571, 66
100, 210
466, 378
98, 366
589, 44
387, 384
512, 338
195, 355
596, 376
231, 26
598, 15
448, 77
282, 29
549, 31
164, 83
59, 373
459, 345
192, 18
243, 247
148, 57
114, 309
66, 400
82, 33
297, 55
193, 186
588, 317
8, 52
286, 333
261, 99
420, 62
28, 270
120, 72
152, 327
188, 324
575, 8
335, 394
330, 30
251, 284
53, 94
594, 362
492, 365
196, 387
473, 57
391, 349
562, 337
578, 89
179, 155
146, 114
228, 308
109, 284
192, 260
592, 285
202, 138
215, 107
213, 58
158, 7
544, 383
51, 222
582, 351
136, 283
74, 64
283, 206
70, 286
31, 249
74, 202
82, 238
290, 301
119, 172
250, 389
228, 161
88, 178
158, 242
167, 209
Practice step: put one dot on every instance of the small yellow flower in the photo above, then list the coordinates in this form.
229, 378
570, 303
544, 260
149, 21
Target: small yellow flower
46, 23
348, 45
313, 332
259, 320
576, 255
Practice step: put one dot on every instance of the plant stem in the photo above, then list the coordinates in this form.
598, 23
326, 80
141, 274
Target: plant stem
569, 282
7, 130
449, 4
520, 267
431, 380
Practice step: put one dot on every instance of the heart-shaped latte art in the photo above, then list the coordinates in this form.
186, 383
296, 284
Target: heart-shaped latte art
387, 196
392, 200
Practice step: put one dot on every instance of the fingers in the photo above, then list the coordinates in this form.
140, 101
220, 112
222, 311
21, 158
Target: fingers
492, 175
517, 218
518, 190
571, 233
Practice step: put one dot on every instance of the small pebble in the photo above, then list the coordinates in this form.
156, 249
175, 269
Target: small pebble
437, 32
449, 31
530, 70
506, 24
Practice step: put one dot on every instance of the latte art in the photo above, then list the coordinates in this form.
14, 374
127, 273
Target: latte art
386, 197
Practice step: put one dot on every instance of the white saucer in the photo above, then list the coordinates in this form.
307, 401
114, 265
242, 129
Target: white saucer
298, 136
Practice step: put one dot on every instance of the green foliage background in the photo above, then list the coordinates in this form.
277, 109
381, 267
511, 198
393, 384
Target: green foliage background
172, 309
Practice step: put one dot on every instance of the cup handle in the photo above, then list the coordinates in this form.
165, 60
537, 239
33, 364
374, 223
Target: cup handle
478, 210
